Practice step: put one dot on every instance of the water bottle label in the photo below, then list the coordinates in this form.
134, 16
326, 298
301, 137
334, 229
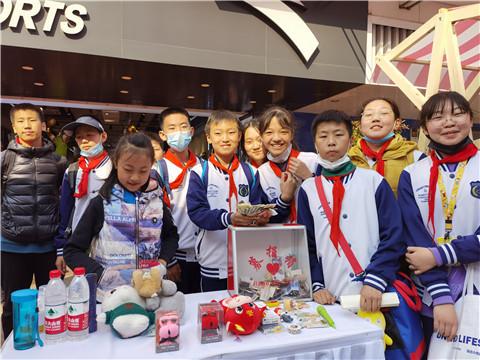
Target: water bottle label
77, 316
55, 319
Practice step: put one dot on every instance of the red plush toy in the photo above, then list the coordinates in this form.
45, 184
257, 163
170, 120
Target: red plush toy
241, 315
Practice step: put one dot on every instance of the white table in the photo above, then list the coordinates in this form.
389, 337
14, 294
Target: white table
353, 338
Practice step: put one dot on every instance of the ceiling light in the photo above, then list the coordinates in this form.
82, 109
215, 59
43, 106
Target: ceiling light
272, 91
253, 102
124, 91
190, 97
38, 84
27, 67
126, 77
205, 85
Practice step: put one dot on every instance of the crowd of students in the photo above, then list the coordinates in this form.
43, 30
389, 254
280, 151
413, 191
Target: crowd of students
369, 208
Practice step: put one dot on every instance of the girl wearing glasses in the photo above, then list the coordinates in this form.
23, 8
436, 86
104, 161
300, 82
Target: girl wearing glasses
428, 193
380, 148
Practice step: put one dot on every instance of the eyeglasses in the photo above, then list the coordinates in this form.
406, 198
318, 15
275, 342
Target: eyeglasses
441, 118
379, 114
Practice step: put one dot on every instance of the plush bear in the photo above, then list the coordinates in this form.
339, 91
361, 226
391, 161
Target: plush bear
124, 310
159, 293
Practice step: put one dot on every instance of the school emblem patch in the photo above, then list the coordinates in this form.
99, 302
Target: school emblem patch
243, 190
475, 189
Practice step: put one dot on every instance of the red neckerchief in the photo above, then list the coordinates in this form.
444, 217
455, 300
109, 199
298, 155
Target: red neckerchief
377, 155
466, 153
338, 193
192, 160
233, 166
82, 187
276, 169
254, 163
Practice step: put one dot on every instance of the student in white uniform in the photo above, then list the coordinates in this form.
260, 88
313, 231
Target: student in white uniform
252, 145
277, 127
216, 188
353, 222
83, 178
440, 200
174, 169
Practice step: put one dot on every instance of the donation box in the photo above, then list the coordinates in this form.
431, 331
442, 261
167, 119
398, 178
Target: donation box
269, 263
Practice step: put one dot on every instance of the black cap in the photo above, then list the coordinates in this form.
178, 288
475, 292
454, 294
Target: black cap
84, 120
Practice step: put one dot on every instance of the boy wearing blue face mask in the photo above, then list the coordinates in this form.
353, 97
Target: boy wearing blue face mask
83, 179
174, 170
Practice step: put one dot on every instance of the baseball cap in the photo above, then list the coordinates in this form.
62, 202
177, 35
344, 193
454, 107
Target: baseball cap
84, 120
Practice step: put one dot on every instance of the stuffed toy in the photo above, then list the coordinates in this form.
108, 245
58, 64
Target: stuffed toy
241, 315
124, 310
159, 293
377, 319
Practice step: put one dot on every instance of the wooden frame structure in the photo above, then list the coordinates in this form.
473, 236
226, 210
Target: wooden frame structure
445, 45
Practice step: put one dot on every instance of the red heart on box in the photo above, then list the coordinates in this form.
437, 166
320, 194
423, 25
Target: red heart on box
273, 268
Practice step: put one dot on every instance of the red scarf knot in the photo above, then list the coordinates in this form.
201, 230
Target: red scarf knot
376, 155
466, 153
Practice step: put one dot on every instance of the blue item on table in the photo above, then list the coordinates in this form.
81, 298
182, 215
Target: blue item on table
25, 319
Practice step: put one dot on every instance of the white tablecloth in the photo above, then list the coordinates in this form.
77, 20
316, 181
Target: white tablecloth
353, 338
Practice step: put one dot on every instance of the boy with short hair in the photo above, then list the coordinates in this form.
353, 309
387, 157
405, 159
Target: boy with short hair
83, 179
31, 178
365, 229
174, 169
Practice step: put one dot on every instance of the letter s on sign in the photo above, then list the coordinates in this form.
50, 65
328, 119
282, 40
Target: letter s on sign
74, 18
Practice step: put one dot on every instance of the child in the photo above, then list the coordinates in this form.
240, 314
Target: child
83, 179
215, 189
277, 128
31, 178
127, 226
175, 171
428, 192
364, 210
380, 148
157, 146
252, 145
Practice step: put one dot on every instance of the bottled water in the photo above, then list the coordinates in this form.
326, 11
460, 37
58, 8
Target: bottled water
77, 307
41, 308
55, 308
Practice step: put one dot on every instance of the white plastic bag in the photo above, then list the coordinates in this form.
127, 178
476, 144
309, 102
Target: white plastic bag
466, 344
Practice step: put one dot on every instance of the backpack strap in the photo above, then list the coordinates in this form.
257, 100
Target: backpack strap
162, 168
347, 250
205, 172
408, 292
72, 175
250, 174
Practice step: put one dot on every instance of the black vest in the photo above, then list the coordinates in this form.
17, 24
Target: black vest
30, 195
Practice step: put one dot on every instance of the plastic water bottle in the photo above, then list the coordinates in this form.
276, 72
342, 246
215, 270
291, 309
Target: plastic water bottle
78, 294
55, 308
41, 308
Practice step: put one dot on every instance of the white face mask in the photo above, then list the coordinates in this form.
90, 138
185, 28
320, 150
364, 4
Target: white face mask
329, 165
282, 157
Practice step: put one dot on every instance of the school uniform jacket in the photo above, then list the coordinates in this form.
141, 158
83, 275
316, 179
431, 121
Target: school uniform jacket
371, 223
208, 208
178, 206
69, 204
413, 200
270, 182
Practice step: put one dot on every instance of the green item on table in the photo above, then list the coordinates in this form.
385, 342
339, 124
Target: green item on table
324, 314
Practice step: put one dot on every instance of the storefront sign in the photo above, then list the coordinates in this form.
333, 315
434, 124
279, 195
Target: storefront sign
29, 11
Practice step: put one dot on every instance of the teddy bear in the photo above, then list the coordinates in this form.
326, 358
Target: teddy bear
159, 293
124, 310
